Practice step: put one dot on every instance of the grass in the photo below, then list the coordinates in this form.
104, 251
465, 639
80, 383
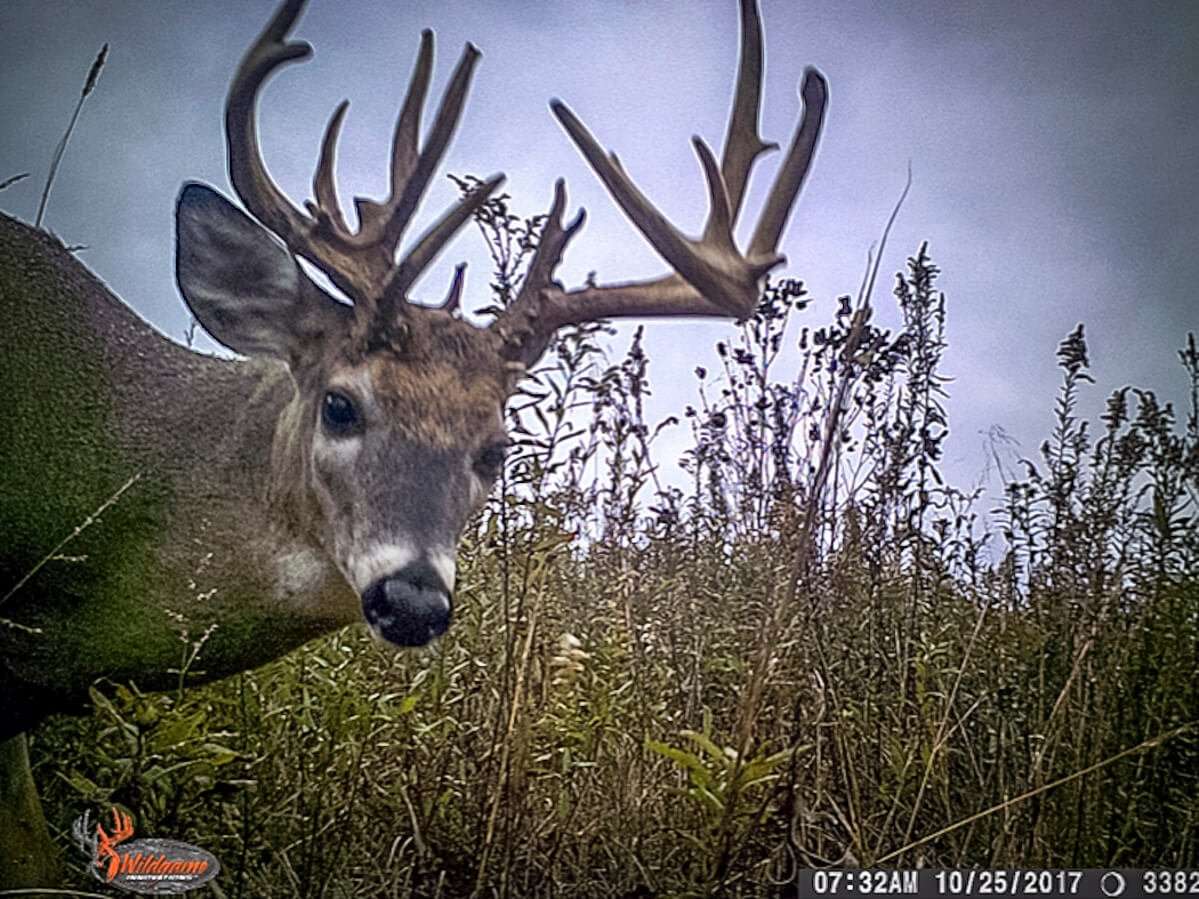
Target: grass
818, 653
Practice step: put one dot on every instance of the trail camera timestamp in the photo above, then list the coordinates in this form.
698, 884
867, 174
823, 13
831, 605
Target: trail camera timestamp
963, 883
859, 883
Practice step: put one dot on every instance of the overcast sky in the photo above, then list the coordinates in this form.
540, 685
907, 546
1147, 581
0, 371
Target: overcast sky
1055, 149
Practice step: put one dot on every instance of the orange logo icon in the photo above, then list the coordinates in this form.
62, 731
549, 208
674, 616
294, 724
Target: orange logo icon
141, 866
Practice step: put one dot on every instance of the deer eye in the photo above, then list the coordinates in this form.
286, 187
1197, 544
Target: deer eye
490, 460
339, 416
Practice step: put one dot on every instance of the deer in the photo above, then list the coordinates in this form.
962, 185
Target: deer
323, 475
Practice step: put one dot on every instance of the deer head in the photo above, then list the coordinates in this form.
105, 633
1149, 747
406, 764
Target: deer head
395, 432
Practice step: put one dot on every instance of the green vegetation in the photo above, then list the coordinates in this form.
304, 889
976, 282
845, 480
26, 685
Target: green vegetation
819, 653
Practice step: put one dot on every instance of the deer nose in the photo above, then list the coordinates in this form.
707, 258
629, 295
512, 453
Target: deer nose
410, 607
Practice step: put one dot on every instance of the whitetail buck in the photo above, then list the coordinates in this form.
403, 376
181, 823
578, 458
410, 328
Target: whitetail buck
326, 478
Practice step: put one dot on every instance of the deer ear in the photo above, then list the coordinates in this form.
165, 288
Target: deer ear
243, 285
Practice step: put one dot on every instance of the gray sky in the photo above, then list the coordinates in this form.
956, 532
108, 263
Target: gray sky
1055, 147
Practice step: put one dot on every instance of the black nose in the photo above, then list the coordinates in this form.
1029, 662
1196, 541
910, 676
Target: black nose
410, 607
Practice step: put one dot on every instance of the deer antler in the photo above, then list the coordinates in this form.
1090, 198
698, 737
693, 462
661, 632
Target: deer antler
122, 829
362, 263
712, 277
106, 852
81, 831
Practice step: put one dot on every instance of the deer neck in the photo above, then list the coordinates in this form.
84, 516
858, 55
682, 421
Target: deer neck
143, 490
236, 466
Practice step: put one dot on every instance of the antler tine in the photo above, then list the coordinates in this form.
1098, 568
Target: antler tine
662, 235
411, 168
719, 229
527, 324
324, 185
742, 143
404, 147
551, 246
246, 169
445, 123
453, 299
794, 170
405, 150
397, 211
431, 243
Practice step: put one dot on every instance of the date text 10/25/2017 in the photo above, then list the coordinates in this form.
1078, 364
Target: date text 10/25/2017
1059, 883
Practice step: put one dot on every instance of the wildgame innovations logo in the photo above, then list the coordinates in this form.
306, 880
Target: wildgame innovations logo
156, 867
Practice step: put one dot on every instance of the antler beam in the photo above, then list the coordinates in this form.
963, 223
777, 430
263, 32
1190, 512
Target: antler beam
711, 276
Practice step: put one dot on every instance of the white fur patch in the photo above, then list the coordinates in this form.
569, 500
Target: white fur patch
299, 573
337, 452
477, 491
309, 585
445, 564
379, 561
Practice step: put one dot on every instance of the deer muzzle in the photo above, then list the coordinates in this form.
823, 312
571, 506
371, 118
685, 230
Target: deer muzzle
410, 607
